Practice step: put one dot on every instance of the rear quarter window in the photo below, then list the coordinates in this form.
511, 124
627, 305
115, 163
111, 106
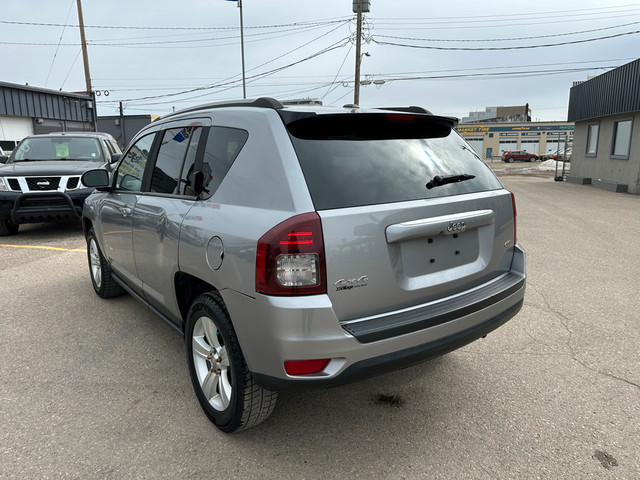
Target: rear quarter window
358, 160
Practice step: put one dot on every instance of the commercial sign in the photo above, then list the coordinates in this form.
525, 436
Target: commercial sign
476, 129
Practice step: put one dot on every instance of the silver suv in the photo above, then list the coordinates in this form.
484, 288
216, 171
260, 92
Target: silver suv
304, 246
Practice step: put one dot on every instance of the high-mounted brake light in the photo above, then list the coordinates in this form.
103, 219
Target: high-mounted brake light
400, 118
290, 258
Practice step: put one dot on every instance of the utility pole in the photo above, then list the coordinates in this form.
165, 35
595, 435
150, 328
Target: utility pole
356, 89
85, 55
85, 60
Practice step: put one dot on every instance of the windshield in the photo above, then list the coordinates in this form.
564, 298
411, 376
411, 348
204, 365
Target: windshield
377, 165
57, 148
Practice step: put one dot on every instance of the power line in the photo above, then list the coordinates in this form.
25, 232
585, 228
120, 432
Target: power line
501, 18
338, 72
234, 83
509, 39
517, 74
58, 47
181, 43
521, 47
39, 24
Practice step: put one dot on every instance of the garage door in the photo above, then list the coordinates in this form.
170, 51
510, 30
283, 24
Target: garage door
530, 146
508, 145
15, 128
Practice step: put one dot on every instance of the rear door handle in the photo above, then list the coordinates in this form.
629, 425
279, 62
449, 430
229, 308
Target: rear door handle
126, 211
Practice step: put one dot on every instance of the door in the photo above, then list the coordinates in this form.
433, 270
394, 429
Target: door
159, 213
117, 210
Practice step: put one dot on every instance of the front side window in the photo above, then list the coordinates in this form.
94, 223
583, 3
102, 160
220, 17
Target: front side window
621, 139
131, 169
592, 139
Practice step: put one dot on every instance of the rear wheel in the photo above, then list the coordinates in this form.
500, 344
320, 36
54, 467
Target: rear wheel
224, 386
510, 159
7, 228
101, 277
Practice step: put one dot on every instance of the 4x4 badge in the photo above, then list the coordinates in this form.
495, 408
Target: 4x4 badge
348, 284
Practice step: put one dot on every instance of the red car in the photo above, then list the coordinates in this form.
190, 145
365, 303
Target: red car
512, 155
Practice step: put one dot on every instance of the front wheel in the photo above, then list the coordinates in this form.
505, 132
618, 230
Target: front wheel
224, 386
8, 228
510, 159
532, 159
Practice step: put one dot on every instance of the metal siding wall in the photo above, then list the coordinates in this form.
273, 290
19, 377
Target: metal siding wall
3, 102
611, 93
19, 101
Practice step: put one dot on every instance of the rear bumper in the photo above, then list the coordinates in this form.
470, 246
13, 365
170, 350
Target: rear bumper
43, 206
395, 360
272, 330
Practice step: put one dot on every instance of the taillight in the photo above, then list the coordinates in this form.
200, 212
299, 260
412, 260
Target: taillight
290, 258
515, 231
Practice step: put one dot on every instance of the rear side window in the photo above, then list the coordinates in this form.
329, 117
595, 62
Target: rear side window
367, 159
223, 146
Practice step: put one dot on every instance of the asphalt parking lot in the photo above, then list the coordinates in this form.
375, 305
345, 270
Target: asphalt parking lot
100, 389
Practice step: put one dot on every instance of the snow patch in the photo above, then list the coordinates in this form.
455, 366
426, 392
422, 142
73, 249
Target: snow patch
550, 166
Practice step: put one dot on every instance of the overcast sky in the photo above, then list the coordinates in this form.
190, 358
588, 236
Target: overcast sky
296, 49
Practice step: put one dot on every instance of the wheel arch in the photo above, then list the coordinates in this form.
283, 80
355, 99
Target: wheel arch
86, 225
188, 288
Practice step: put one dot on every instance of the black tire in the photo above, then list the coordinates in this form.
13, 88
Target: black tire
532, 159
8, 228
224, 386
510, 159
99, 270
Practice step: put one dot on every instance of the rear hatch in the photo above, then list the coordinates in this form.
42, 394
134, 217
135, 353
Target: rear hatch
410, 214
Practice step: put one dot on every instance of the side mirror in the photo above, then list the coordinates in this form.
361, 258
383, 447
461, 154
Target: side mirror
97, 178
4, 158
115, 157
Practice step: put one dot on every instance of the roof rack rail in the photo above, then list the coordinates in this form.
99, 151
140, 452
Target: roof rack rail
262, 102
411, 109
302, 101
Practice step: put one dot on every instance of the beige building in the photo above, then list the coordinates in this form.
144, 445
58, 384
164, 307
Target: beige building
489, 140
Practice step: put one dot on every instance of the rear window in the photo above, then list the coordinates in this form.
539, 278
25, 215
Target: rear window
367, 159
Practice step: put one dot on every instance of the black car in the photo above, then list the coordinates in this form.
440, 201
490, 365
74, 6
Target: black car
40, 181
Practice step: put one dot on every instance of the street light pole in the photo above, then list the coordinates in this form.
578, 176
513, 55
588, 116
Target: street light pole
244, 84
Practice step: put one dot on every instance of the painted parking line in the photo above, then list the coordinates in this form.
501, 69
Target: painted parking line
45, 248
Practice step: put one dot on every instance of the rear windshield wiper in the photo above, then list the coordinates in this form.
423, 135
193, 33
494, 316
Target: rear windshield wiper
439, 180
